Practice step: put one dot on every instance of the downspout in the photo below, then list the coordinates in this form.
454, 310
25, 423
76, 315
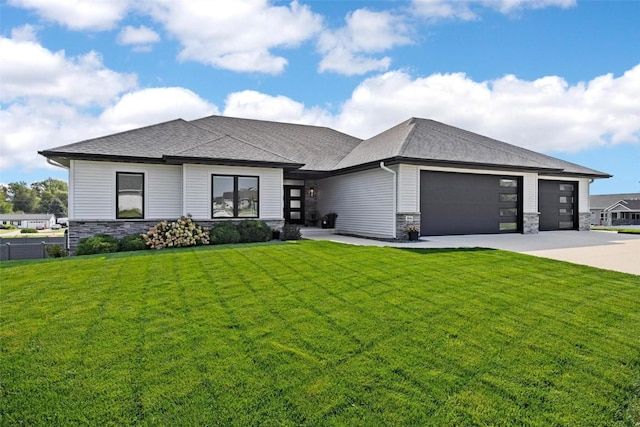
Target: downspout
395, 195
56, 164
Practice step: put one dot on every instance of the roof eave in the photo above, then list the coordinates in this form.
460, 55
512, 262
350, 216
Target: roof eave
230, 162
62, 156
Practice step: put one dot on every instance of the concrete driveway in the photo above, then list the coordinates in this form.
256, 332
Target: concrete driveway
602, 249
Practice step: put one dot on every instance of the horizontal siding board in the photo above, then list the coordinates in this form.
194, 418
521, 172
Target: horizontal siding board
94, 189
408, 188
362, 200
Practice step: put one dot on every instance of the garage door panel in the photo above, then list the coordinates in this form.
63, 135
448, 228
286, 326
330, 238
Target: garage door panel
558, 205
456, 203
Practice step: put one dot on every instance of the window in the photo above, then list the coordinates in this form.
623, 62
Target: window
508, 212
129, 195
566, 187
566, 199
508, 197
234, 196
508, 226
564, 211
563, 225
508, 182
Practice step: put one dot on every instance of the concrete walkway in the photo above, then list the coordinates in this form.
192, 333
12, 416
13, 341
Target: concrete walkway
607, 250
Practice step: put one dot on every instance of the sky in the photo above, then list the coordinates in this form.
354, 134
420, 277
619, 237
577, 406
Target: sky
560, 77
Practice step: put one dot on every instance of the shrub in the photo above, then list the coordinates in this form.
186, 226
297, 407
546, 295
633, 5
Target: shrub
291, 232
133, 242
275, 234
56, 251
7, 227
28, 231
98, 244
180, 233
254, 231
223, 233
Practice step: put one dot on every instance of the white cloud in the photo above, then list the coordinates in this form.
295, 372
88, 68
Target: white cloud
92, 15
547, 114
348, 50
50, 100
467, 10
256, 105
155, 105
235, 35
141, 38
30, 70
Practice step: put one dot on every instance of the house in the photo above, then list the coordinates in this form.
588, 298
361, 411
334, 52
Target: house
37, 221
615, 209
421, 172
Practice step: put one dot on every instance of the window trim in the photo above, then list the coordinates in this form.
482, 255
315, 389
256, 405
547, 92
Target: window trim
235, 196
141, 174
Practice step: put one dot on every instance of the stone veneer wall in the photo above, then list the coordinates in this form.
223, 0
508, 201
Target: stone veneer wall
584, 221
118, 229
402, 224
530, 223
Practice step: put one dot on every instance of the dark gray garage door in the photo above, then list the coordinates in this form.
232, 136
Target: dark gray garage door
558, 205
459, 203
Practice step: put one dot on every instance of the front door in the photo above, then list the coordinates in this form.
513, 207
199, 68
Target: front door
294, 204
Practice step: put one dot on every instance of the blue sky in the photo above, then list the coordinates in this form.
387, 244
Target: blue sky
556, 76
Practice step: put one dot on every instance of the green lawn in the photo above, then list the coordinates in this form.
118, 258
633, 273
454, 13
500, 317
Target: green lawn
317, 333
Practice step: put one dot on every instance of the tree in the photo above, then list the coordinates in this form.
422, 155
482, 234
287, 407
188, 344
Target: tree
57, 208
5, 203
48, 190
23, 198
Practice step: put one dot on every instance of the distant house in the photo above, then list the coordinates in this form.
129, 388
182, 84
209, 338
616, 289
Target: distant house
38, 221
420, 173
615, 209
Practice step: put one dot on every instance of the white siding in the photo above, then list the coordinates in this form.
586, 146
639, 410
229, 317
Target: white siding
198, 189
530, 193
93, 189
408, 189
362, 200
583, 196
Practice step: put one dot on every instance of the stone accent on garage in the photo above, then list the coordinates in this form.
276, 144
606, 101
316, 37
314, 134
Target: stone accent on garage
82, 229
584, 221
403, 221
530, 223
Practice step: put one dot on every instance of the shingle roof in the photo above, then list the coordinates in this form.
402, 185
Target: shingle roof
318, 148
311, 148
25, 217
601, 201
431, 141
622, 205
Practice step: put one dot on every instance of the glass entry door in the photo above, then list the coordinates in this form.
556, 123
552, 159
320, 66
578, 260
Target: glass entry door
294, 204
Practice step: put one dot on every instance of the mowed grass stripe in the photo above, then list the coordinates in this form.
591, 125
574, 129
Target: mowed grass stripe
318, 333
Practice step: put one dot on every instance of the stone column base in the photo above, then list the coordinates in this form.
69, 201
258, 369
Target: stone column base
584, 221
405, 220
530, 223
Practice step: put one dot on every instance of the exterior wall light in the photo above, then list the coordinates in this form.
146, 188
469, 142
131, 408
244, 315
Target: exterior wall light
312, 192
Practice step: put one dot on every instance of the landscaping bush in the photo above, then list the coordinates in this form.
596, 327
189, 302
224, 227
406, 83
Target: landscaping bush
254, 231
28, 231
223, 233
133, 242
275, 234
180, 233
291, 232
7, 227
98, 244
56, 251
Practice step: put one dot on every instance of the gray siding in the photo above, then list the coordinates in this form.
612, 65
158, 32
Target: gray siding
362, 200
94, 189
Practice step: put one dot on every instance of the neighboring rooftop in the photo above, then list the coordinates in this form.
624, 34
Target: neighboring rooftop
602, 201
310, 148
